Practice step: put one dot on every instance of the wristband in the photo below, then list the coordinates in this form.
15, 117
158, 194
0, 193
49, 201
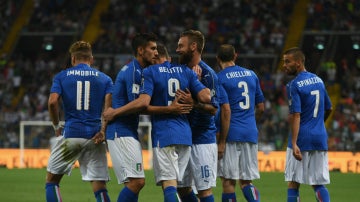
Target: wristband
56, 127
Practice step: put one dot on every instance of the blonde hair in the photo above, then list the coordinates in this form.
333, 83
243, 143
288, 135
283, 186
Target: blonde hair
81, 50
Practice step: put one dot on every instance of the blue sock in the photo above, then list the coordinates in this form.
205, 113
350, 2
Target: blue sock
321, 193
126, 195
251, 193
293, 195
170, 194
102, 196
52, 191
191, 197
207, 199
228, 197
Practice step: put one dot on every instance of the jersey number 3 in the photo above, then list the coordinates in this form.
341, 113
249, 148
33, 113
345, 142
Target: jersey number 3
246, 104
80, 100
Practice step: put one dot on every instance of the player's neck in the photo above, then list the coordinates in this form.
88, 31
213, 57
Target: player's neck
227, 64
195, 61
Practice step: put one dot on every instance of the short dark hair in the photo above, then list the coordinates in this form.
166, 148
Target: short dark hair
141, 40
195, 36
226, 53
297, 53
162, 51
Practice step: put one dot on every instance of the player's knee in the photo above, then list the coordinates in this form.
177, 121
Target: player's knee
183, 191
138, 182
244, 183
205, 193
228, 185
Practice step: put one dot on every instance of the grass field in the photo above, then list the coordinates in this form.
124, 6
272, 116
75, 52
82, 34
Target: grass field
27, 185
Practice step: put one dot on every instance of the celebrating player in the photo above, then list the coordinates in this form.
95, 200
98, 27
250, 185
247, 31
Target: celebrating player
171, 133
84, 91
202, 167
309, 107
246, 102
122, 136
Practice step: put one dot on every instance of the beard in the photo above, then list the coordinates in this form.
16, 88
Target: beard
185, 58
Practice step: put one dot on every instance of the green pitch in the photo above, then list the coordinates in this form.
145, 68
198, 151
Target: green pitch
29, 185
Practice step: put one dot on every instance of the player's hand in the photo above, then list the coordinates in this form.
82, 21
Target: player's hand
184, 96
197, 69
99, 137
297, 152
58, 129
109, 114
179, 108
221, 150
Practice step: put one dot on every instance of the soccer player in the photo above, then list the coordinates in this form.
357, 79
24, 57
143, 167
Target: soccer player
309, 107
246, 102
171, 133
202, 167
122, 136
84, 91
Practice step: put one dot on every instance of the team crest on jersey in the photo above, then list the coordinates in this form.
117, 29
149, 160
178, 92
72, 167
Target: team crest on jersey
135, 88
138, 167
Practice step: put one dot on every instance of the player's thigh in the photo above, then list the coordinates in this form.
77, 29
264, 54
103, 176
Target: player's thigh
93, 162
293, 168
249, 169
170, 162
318, 168
203, 162
64, 154
126, 156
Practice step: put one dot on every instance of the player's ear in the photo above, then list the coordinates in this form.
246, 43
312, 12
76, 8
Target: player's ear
140, 50
91, 60
193, 46
72, 60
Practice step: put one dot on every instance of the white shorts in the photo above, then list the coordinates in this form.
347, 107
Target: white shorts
170, 162
240, 161
201, 168
312, 169
126, 157
92, 158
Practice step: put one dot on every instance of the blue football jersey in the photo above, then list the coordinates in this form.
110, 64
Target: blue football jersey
83, 91
126, 89
307, 95
243, 90
161, 82
203, 124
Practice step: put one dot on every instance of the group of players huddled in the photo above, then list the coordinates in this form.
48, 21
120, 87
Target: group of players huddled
203, 123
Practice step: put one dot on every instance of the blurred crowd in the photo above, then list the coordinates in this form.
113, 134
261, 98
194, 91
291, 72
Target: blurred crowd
251, 26
254, 27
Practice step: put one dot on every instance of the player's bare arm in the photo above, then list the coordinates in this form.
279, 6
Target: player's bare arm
53, 107
225, 114
327, 114
295, 131
100, 136
260, 108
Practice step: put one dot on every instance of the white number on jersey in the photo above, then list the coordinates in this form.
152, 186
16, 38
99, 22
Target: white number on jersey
246, 104
79, 94
317, 100
173, 86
